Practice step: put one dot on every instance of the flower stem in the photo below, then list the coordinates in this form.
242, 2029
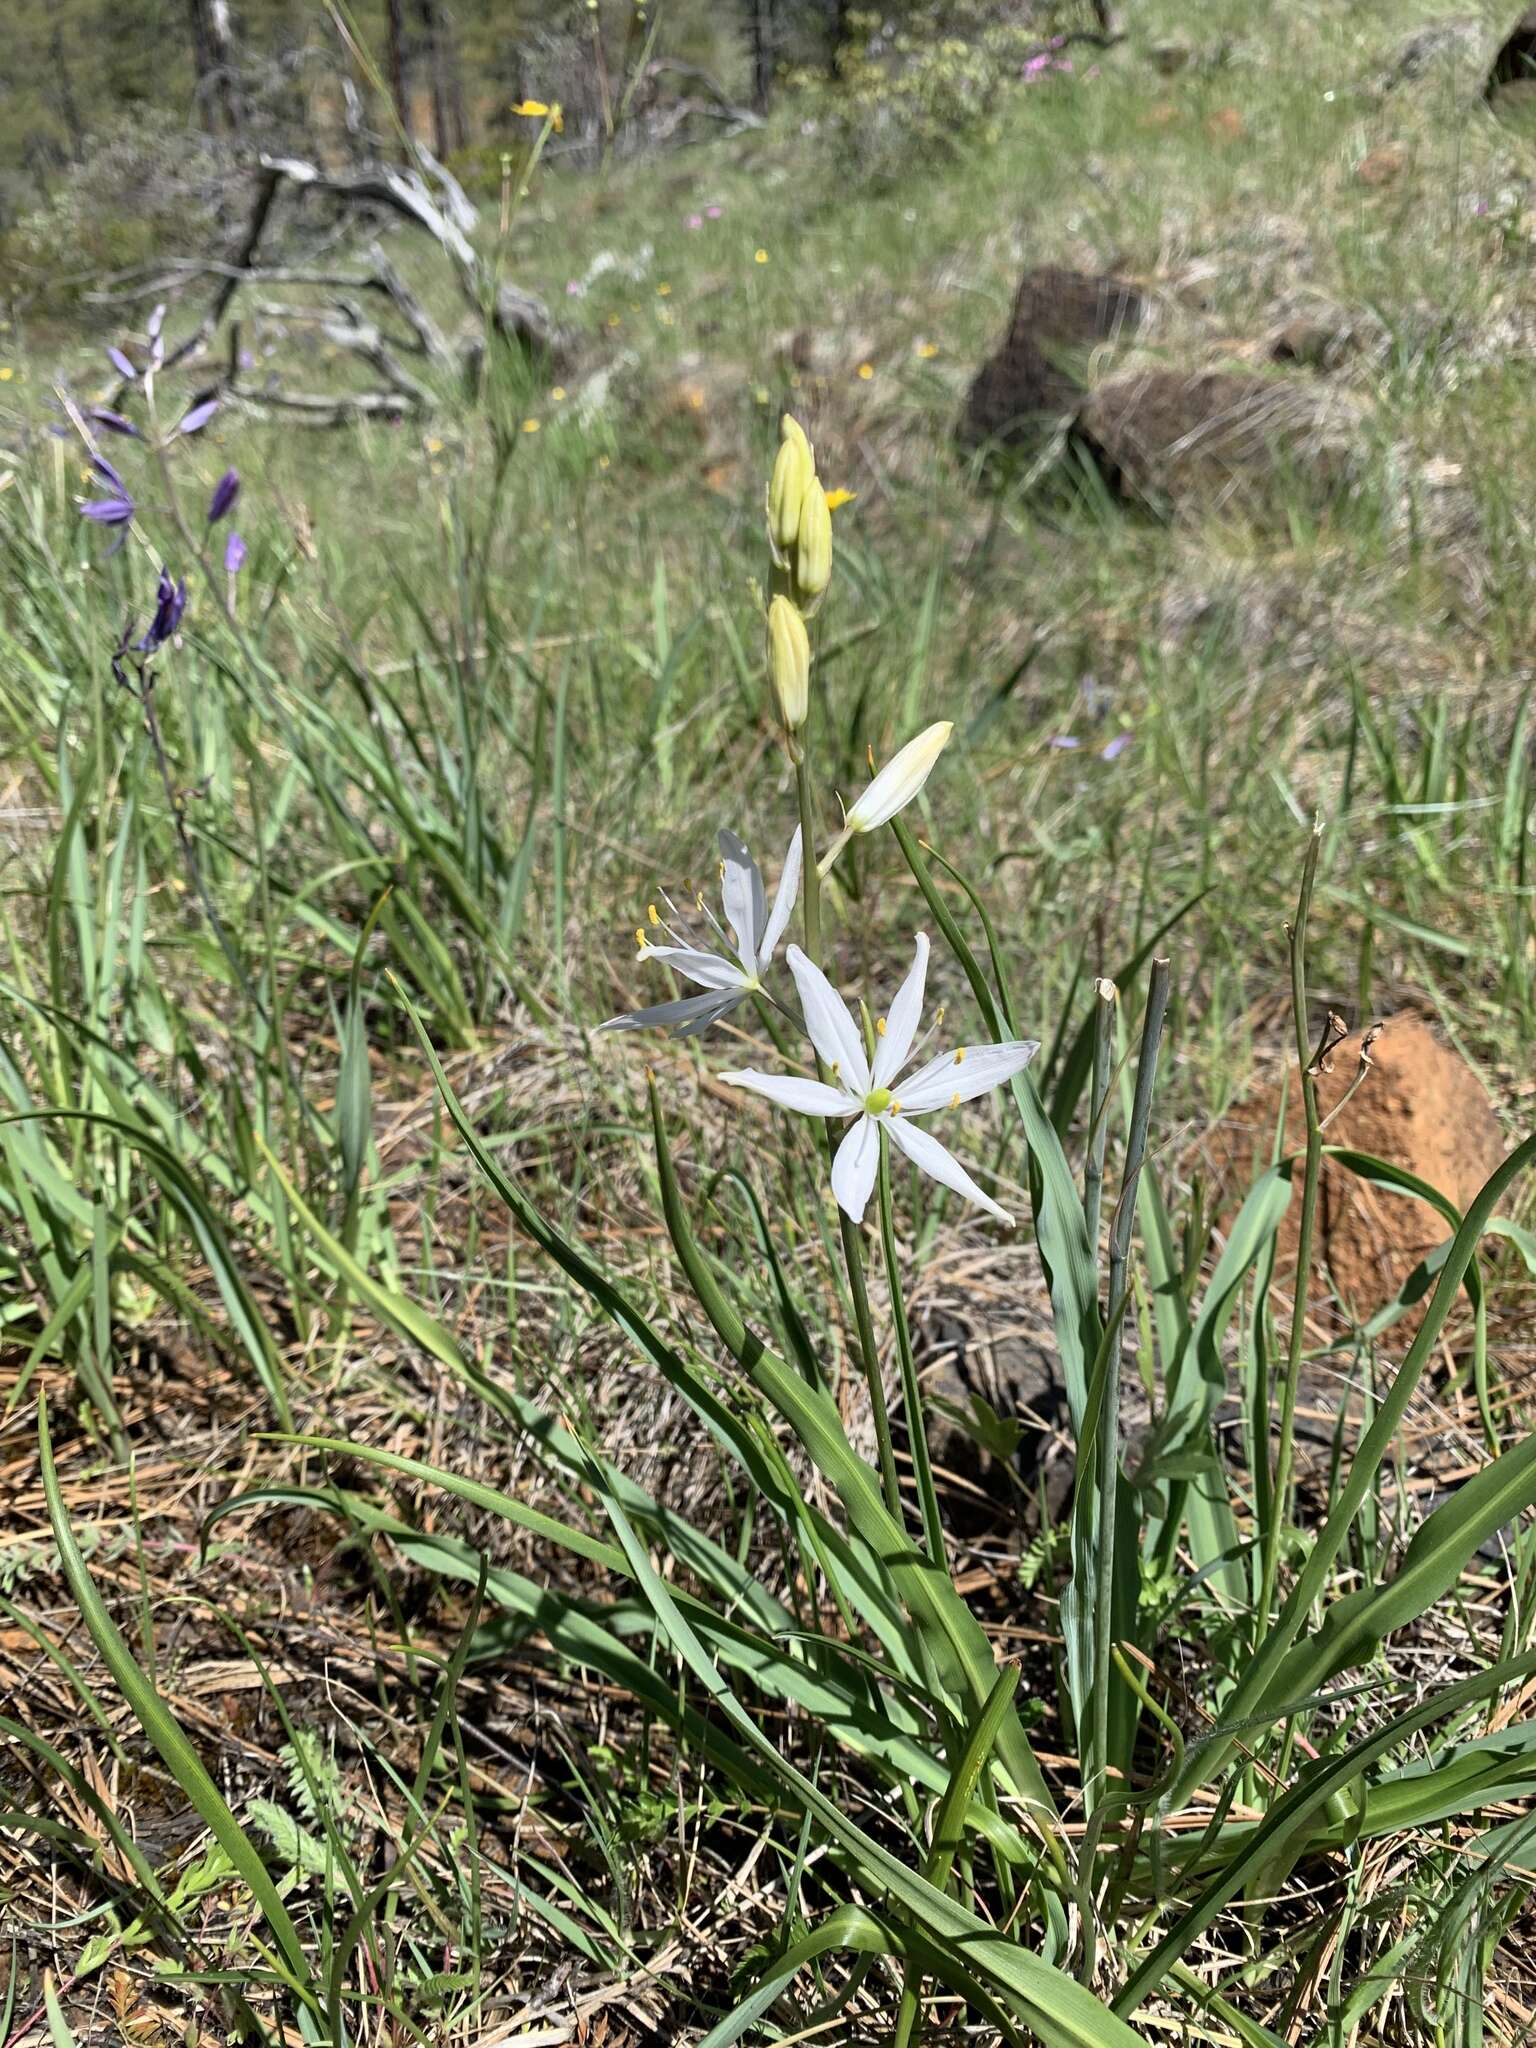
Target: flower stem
1097, 1785
1285, 1450
853, 1251
911, 1396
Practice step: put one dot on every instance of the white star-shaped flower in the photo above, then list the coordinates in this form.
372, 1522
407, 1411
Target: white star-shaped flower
727, 977
876, 1094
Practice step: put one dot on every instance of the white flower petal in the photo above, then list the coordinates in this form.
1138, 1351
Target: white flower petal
900, 779
783, 904
684, 1018
925, 1151
962, 1075
827, 1023
741, 891
854, 1168
901, 1025
811, 1098
707, 969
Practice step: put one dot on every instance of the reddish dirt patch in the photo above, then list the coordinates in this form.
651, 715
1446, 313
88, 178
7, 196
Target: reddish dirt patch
1420, 1106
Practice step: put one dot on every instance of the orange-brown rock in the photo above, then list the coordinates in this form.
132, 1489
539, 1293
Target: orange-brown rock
1419, 1106
1381, 166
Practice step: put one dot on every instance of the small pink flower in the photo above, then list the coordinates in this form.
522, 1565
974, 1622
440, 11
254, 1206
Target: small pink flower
1063, 63
573, 288
713, 212
694, 220
1036, 65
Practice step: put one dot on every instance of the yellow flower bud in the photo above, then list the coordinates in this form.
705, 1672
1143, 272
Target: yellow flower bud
813, 546
789, 662
792, 469
790, 429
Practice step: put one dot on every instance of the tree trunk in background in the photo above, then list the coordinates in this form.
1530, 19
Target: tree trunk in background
398, 88
837, 34
760, 31
449, 120
221, 39
69, 106
202, 64
213, 61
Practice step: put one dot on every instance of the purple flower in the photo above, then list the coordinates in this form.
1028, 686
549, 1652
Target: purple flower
1064, 742
114, 422
234, 554
1036, 65
109, 511
713, 212
198, 416
1114, 748
225, 492
105, 470
170, 603
694, 220
121, 364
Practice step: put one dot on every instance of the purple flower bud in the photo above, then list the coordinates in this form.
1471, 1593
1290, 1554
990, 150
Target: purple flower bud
1117, 746
121, 364
104, 469
109, 511
198, 417
170, 603
225, 492
234, 553
1064, 742
114, 422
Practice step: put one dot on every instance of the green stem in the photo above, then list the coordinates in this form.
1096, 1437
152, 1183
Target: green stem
911, 1396
1105, 1683
853, 1250
1285, 1450
1098, 1129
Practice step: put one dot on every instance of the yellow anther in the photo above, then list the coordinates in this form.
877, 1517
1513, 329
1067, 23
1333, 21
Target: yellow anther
960, 1057
879, 1027
640, 938
651, 913
895, 1107
954, 1100
835, 1069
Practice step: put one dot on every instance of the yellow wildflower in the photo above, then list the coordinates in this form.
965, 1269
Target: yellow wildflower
537, 110
530, 426
866, 371
840, 497
760, 256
